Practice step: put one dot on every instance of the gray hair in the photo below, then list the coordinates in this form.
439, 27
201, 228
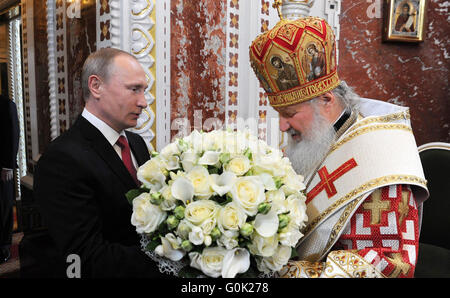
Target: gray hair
99, 63
347, 97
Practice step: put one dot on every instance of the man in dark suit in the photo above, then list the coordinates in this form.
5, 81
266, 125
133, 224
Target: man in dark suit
81, 180
9, 139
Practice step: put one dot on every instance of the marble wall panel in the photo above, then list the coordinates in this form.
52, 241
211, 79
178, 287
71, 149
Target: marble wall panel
198, 49
81, 41
41, 74
409, 74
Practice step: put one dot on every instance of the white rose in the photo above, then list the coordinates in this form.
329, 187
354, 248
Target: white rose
268, 181
293, 183
146, 217
268, 160
152, 174
172, 163
201, 181
263, 246
170, 150
238, 165
277, 198
290, 235
170, 248
210, 261
196, 235
235, 261
276, 261
222, 183
209, 158
200, 211
228, 239
208, 240
208, 225
231, 217
296, 205
169, 202
184, 228
248, 193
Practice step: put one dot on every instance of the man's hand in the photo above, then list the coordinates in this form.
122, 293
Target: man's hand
7, 175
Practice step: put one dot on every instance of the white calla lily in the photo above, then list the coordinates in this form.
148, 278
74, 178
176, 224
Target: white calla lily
172, 162
266, 224
209, 158
223, 183
234, 262
182, 189
268, 181
188, 160
170, 149
167, 250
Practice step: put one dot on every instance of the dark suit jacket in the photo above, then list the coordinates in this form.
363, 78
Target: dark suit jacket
9, 133
80, 184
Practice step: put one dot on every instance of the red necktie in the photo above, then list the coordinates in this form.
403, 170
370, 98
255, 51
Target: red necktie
126, 157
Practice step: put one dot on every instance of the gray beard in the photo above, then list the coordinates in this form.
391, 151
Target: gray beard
313, 147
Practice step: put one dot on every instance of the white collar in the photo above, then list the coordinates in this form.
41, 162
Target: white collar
108, 132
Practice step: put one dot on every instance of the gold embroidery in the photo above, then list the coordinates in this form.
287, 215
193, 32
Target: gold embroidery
304, 93
347, 263
387, 118
376, 205
403, 207
399, 265
374, 183
295, 269
341, 222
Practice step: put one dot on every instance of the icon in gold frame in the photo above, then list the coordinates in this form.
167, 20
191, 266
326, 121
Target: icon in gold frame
404, 20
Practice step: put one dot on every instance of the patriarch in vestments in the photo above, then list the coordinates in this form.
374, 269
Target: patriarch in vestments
365, 183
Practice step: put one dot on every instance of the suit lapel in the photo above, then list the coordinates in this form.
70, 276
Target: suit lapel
139, 149
105, 151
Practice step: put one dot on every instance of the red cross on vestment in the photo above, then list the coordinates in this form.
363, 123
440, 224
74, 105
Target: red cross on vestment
327, 180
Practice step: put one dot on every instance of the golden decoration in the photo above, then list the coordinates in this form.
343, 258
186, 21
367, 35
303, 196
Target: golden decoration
376, 205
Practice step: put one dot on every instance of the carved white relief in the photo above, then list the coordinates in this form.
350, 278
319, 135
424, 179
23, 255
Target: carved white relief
162, 32
16, 91
131, 25
51, 44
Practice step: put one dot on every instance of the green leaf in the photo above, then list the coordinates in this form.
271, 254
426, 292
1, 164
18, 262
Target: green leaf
189, 272
151, 246
294, 253
132, 194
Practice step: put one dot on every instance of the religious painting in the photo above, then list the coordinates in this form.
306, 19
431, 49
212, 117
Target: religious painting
314, 61
261, 78
283, 73
404, 20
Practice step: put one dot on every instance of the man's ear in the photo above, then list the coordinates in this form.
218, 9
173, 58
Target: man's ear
328, 98
95, 84
330, 106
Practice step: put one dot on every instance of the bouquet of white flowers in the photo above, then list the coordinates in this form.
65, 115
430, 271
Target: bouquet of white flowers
219, 202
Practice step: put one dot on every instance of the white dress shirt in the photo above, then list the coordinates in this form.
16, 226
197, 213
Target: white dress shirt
108, 132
